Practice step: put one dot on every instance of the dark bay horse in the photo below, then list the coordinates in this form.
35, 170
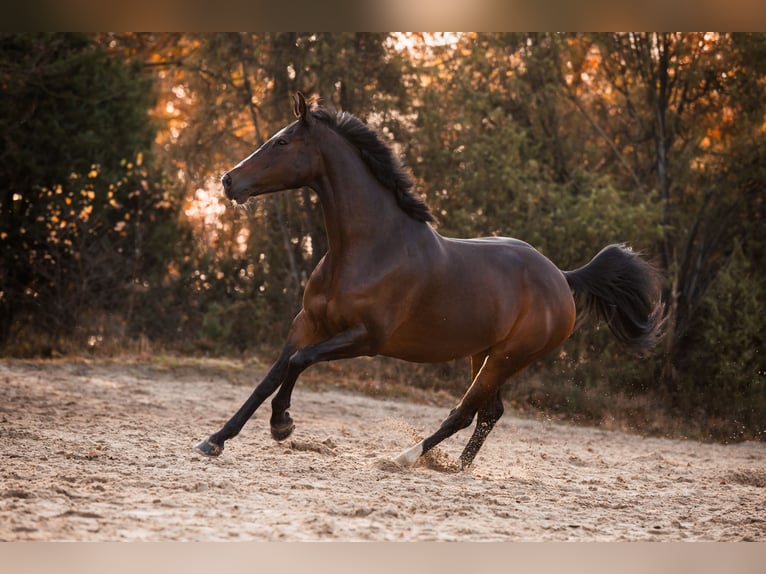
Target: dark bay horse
390, 285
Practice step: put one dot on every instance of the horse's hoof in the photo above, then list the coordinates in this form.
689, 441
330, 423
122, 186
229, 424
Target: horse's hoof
410, 456
280, 433
209, 448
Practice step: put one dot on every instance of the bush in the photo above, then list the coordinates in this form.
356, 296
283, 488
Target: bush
725, 371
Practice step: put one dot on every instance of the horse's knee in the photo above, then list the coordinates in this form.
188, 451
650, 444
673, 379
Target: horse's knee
299, 362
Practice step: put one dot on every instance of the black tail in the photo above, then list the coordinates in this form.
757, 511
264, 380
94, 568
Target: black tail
623, 289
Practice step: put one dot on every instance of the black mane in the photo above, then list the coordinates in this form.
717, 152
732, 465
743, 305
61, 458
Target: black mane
381, 160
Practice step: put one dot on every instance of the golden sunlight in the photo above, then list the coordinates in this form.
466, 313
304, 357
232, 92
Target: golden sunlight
208, 205
419, 44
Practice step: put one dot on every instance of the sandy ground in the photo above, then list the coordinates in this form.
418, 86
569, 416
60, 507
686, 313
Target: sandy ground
98, 451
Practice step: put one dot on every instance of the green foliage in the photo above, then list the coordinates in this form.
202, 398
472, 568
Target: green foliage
729, 342
86, 223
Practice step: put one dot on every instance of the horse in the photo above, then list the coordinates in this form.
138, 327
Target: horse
391, 285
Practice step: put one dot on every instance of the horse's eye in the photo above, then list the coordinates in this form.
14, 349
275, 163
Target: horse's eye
281, 141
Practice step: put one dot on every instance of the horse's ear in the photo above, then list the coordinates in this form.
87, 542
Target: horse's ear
301, 108
296, 110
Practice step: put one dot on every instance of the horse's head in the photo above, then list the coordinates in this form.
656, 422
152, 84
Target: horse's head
288, 160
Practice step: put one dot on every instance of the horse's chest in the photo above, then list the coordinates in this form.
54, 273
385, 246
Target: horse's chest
340, 297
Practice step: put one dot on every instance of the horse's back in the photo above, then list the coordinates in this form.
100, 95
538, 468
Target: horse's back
472, 293
493, 240
513, 259
505, 265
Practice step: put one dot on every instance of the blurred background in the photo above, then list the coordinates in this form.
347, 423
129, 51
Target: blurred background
115, 240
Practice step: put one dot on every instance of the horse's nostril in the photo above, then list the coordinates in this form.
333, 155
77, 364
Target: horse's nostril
226, 181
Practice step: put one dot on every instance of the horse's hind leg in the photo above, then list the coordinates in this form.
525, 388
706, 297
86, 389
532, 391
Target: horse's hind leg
488, 415
485, 388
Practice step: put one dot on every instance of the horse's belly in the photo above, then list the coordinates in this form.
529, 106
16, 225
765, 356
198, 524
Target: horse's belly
416, 353
440, 340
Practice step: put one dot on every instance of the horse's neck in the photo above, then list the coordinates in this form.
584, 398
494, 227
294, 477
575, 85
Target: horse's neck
359, 212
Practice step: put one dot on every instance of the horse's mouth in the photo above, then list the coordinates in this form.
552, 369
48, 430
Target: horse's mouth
240, 198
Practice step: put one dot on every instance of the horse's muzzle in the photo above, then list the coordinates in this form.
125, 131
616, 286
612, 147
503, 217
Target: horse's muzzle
226, 182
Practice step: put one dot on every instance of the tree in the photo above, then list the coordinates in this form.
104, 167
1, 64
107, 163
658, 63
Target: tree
694, 106
78, 197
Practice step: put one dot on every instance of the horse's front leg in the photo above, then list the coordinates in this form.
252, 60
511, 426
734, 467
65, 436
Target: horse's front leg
351, 343
213, 445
